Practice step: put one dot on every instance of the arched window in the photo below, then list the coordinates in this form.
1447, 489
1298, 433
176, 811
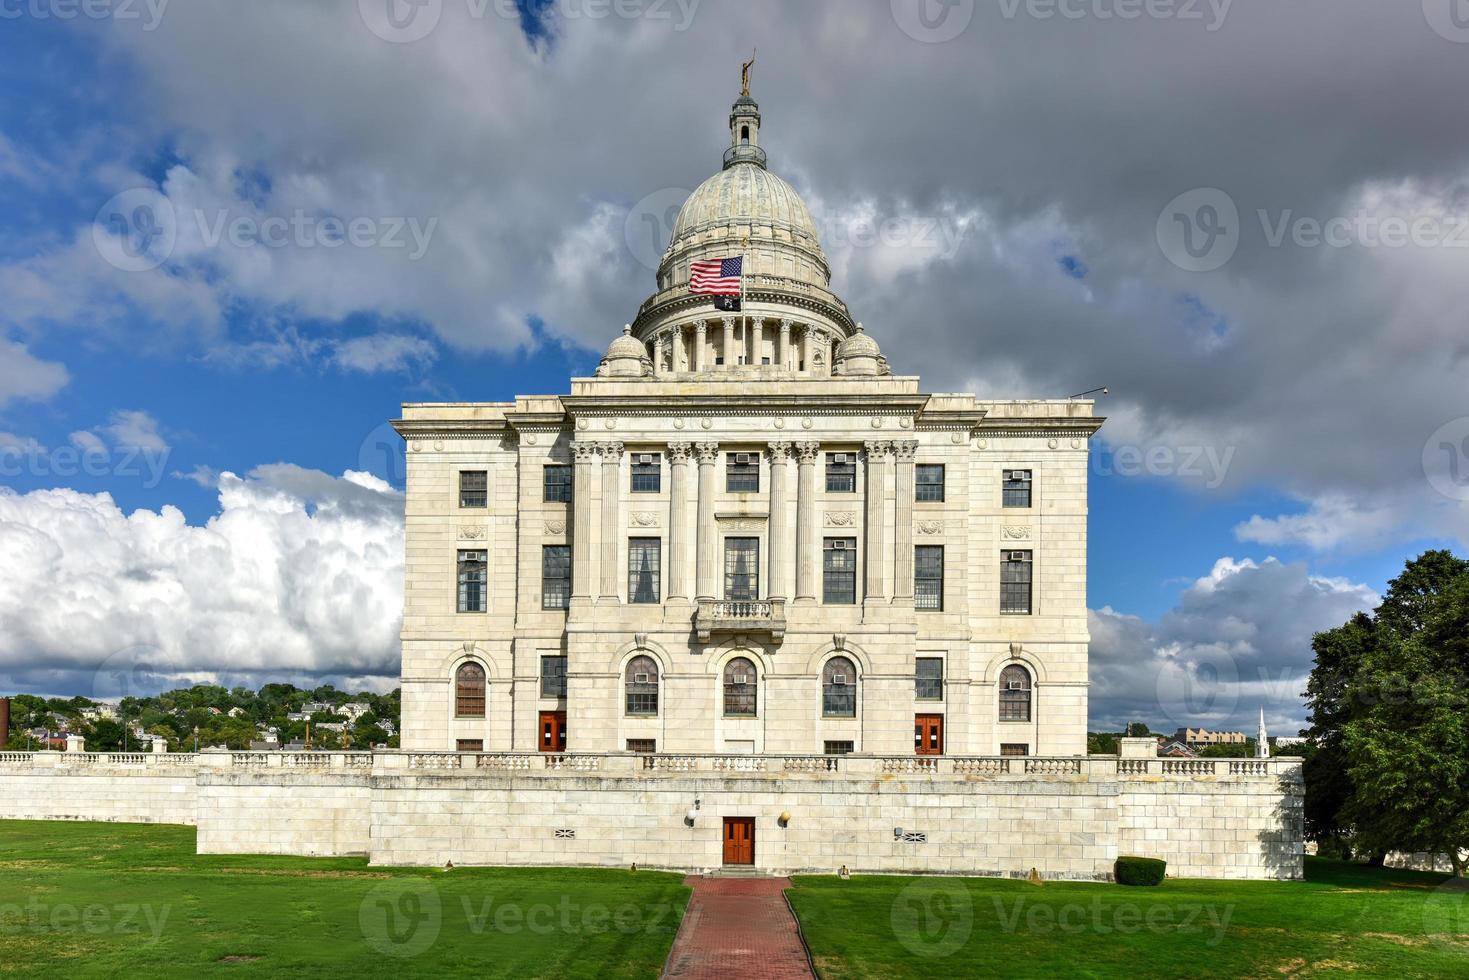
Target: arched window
839, 688
739, 688
1015, 693
469, 691
642, 686
744, 134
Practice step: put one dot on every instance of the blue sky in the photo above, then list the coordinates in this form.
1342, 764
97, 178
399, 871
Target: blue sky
508, 135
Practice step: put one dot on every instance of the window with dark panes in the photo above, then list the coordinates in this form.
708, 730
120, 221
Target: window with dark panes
928, 679
841, 472
473, 573
643, 555
1015, 693
469, 691
839, 571
647, 472
928, 577
839, 688
929, 482
1015, 580
474, 488
642, 686
553, 677
742, 473
642, 746
840, 747
1014, 749
555, 576
556, 484
742, 568
469, 745
739, 688
1017, 488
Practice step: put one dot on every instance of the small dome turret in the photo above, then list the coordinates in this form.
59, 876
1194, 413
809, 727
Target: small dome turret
859, 354
625, 358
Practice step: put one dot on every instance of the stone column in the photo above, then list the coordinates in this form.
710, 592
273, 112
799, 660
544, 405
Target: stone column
806, 331
585, 454
877, 454
784, 352
782, 561
611, 519
707, 531
808, 546
904, 451
756, 340
680, 528
729, 344
701, 345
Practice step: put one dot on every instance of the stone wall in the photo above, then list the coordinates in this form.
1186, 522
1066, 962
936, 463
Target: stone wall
1065, 817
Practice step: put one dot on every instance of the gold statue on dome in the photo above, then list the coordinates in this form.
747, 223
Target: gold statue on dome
745, 75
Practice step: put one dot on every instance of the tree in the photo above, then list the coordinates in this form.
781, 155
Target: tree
1389, 763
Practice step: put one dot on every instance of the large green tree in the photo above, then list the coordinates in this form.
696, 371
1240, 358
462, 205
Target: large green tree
1389, 765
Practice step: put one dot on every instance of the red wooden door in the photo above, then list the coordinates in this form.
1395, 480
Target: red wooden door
928, 734
553, 731
739, 840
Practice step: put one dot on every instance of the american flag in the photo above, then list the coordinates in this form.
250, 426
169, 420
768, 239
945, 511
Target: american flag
716, 277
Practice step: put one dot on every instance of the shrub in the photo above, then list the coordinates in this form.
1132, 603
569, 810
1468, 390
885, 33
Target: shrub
1139, 871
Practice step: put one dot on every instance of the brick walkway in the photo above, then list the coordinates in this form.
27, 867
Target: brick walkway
738, 927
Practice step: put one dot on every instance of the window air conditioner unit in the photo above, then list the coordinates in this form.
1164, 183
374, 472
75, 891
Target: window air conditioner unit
839, 458
640, 678
839, 545
740, 679
839, 678
1015, 686
645, 459
742, 458
1017, 556
1020, 475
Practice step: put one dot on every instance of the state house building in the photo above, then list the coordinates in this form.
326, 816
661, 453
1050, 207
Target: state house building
746, 533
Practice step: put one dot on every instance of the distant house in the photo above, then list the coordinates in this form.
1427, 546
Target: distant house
99, 711
331, 726
1287, 740
354, 710
316, 707
236, 712
298, 716
1202, 736
1174, 749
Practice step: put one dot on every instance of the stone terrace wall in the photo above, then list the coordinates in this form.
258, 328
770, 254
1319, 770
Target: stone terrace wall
1065, 817
117, 787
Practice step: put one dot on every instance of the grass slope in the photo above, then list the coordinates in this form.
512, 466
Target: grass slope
1343, 920
92, 900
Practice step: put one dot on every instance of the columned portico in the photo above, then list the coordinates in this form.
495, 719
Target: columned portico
611, 522
708, 530
877, 457
808, 547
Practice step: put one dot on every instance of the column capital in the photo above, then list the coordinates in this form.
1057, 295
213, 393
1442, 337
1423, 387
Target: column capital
808, 451
905, 449
780, 452
585, 452
786, 322
878, 448
611, 451
728, 321
680, 452
701, 327
708, 453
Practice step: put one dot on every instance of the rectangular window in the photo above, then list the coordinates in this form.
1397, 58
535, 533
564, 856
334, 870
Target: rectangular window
742, 568
474, 488
1014, 748
647, 472
928, 577
555, 576
839, 571
643, 556
838, 748
472, 575
1017, 488
1015, 575
556, 484
469, 745
841, 472
742, 473
553, 677
928, 679
642, 746
930, 482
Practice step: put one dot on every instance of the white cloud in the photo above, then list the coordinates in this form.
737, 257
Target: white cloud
384, 352
298, 574
135, 429
23, 375
1330, 524
1238, 639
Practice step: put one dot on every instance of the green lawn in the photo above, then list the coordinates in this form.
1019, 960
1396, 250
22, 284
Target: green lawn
93, 900
1343, 920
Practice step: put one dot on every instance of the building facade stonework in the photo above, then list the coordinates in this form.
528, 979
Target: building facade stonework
753, 496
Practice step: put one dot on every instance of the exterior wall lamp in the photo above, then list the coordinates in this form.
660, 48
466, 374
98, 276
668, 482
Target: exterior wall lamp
692, 815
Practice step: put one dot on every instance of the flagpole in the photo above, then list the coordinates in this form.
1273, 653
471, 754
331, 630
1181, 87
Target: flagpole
744, 317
